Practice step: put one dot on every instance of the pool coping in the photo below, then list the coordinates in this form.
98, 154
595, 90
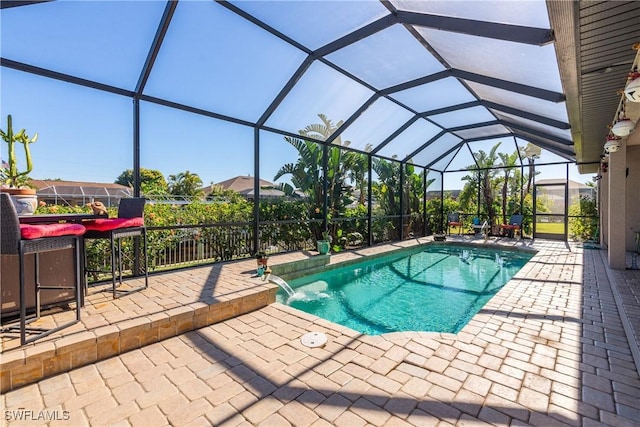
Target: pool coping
288, 271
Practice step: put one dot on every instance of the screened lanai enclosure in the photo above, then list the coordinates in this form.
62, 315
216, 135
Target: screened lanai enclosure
369, 121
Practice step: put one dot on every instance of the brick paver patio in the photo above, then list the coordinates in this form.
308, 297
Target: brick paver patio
549, 349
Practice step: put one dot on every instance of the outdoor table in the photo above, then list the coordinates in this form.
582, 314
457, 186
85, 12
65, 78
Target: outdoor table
52, 218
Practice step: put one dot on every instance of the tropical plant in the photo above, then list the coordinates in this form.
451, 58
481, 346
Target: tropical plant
10, 175
482, 176
307, 173
436, 222
185, 184
286, 224
414, 193
583, 221
508, 161
352, 228
152, 181
387, 189
413, 189
358, 173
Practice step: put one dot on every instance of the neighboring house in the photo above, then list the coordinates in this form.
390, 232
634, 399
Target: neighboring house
76, 193
553, 190
435, 194
244, 186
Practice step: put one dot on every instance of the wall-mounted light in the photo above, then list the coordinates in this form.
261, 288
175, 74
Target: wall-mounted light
623, 127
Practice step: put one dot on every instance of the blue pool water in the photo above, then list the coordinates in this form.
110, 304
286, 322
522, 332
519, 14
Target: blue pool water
437, 288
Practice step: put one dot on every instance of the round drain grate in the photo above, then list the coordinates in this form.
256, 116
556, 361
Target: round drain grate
314, 339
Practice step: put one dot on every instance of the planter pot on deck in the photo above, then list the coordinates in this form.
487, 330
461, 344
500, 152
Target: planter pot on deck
323, 247
24, 199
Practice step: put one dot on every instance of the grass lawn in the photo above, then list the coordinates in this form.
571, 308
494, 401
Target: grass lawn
550, 227
541, 227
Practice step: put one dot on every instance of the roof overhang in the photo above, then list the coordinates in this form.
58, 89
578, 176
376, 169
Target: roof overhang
594, 44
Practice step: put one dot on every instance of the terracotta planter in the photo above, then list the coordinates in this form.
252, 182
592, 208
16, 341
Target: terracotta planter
24, 199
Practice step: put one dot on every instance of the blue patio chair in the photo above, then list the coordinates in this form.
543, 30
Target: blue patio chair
514, 225
453, 220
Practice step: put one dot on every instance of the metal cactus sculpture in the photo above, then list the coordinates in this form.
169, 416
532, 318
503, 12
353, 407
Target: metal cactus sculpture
11, 176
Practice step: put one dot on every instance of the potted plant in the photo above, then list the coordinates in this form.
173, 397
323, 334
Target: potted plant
325, 244
16, 182
262, 259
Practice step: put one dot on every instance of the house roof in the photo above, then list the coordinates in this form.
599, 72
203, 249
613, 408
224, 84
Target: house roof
264, 193
239, 184
571, 183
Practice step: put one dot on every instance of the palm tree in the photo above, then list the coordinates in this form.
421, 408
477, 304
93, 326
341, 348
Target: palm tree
185, 184
388, 186
481, 177
358, 173
507, 162
530, 152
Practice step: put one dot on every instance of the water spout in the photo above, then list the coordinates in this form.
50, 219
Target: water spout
282, 283
464, 255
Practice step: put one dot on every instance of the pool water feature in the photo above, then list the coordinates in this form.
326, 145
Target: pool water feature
437, 287
282, 283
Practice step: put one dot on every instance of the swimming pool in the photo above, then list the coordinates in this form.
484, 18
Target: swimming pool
436, 287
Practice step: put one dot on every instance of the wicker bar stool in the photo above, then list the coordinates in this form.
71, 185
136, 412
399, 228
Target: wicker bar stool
21, 240
129, 223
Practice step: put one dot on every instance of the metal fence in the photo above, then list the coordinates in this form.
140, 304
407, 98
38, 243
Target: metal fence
174, 247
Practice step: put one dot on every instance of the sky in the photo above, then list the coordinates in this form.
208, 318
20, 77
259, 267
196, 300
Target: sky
214, 60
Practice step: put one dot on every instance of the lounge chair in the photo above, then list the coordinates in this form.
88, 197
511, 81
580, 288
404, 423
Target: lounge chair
453, 220
514, 225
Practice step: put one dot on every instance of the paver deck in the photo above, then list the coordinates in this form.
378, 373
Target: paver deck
549, 349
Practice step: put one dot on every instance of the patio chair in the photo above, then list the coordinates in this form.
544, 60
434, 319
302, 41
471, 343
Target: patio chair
26, 239
129, 223
453, 220
514, 225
